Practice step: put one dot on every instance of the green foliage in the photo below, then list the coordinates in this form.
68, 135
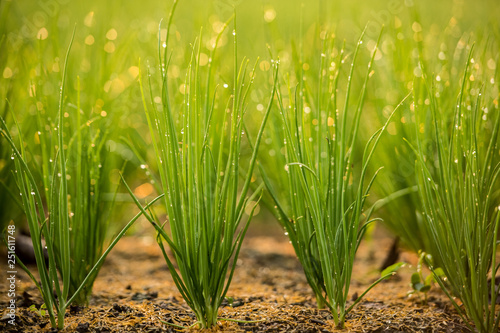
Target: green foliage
62, 211
416, 51
55, 229
198, 147
103, 105
41, 312
10, 206
421, 284
458, 181
326, 220
8, 198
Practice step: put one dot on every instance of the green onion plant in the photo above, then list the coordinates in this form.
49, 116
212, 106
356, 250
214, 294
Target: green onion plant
458, 185
443, 55
326, 219
63, 210
83, 135
198, 146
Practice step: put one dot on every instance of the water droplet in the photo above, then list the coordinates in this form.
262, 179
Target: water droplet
143, 166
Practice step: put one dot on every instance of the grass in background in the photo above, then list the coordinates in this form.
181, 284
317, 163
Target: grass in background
197, 147
458, 185
30, 72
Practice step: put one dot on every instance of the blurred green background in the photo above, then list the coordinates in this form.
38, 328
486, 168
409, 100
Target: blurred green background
111, 37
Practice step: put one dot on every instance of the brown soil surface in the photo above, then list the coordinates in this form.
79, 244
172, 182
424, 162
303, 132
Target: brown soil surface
134, 291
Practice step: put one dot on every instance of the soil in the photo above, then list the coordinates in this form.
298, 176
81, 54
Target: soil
135, 293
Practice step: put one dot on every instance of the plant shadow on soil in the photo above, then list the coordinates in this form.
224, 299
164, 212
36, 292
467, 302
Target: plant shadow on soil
134, 292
